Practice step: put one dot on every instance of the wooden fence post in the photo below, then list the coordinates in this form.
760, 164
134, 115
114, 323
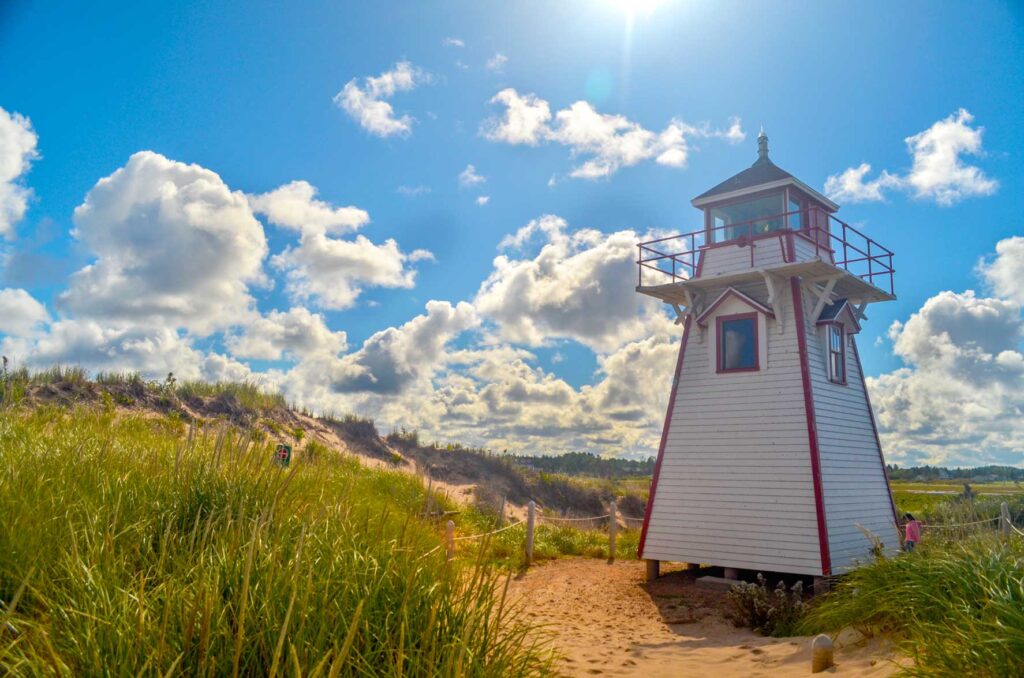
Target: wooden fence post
613, 527
449, 534
821, 654
501, 513
1004, 522
531, 516
426, 503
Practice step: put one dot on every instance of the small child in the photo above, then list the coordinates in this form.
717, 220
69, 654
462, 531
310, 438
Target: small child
913, 534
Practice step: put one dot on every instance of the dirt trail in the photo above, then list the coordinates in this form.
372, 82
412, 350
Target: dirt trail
606, 621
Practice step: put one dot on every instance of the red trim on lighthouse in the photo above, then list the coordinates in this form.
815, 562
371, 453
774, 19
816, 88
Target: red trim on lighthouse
664, 436
812, 429
874, 429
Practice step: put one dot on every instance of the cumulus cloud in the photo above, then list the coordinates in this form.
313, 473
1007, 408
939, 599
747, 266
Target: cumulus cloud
850, 186
1006, 272
153, 351
393, 358
573, 288
296, 206
609, 142
332, 272
469, 177
938, 172
17, 151
294, 334
960, 396
453, 42
366, 103
20, 313
174, 246
523, 122
483, 200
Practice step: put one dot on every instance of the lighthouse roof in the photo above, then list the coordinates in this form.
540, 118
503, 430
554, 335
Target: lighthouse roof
762, 175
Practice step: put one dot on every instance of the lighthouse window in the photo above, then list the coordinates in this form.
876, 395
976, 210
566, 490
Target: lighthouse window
836, 354
737, 343
747, 218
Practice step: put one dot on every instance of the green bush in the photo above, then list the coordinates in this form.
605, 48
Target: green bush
770, 612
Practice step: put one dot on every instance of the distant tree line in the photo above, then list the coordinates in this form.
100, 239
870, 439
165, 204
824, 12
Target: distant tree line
587, 464
978, 474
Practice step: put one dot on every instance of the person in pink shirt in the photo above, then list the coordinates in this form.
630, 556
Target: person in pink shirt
913, 532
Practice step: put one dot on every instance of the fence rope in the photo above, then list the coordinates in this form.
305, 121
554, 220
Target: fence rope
1014, 528
954, 525
573, 520
487, 534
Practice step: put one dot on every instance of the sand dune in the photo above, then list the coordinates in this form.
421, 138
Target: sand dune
606, 621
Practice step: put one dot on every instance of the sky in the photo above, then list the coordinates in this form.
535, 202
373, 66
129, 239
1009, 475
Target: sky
426, 213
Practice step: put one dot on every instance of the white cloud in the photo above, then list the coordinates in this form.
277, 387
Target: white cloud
413, 191
20, 313
17, 151
483, 200
453, 42
153, 351
1006, 272
572, 289
295, 206
293, 334
849, 186
174, 247
392, 359
366, 104
332, 273
523, 122
496, 63
469, 177
959, 398
610, 141
938, 172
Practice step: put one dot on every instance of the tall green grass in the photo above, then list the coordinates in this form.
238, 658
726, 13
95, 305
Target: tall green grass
957, 604
126, 549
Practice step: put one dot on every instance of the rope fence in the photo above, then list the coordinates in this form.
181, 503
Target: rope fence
534, 513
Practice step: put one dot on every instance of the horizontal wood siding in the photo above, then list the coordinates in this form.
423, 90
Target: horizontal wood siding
733, 258
734, 488
854, 485
804, 250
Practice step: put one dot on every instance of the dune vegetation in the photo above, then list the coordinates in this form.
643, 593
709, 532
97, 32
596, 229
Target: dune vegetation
135, 544
955, 604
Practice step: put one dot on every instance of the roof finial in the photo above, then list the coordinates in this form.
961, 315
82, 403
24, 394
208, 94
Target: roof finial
762, 146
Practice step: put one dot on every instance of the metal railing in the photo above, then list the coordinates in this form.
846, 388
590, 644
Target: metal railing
677, 257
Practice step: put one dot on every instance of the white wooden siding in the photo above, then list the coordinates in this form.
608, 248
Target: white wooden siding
853, 479
733, 258
735, 485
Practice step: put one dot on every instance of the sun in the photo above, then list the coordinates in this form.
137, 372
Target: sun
634, 7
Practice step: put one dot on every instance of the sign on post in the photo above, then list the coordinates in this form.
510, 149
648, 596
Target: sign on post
283, 454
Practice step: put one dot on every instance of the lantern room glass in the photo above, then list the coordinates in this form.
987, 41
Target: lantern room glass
746, 218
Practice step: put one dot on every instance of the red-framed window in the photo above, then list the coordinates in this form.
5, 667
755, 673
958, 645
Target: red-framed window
835, 343
737, 345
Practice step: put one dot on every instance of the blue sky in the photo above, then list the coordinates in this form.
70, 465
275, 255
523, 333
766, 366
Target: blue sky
249, 94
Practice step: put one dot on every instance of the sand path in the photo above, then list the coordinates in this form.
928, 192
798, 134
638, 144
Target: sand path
607, 621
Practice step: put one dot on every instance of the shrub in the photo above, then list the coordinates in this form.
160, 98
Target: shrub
958, 606
768, 612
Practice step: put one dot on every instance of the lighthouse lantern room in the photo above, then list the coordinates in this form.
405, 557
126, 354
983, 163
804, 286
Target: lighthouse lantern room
769, 457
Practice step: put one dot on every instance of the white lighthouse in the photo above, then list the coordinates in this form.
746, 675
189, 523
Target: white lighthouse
769, 457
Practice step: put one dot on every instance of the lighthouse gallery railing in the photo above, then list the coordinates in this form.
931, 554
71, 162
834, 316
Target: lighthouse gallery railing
676, 258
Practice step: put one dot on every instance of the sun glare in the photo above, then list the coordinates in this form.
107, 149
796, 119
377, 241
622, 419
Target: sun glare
634, 7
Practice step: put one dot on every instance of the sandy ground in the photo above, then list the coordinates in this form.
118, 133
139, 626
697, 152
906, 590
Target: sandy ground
607, 621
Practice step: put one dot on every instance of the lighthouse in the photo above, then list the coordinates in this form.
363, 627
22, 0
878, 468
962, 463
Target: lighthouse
769, 458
